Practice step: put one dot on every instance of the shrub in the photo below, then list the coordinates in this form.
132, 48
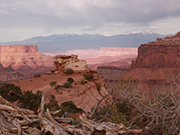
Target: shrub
69, 106
68, 71
76, 121
53, 83
10, 91
83, 82
70, 80
88, 77
37, 75
67, 85
57, 87
30, 100
52, 71
53, 104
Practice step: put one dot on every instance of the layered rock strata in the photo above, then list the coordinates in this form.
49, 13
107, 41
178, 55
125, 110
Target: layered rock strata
20, 55
22, 61
157, 62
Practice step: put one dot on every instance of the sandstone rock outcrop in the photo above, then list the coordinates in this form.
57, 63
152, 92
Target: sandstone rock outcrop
157, 62
63, 62
159, 54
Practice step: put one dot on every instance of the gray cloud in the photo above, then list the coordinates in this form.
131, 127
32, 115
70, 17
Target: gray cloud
80, 12
84, 14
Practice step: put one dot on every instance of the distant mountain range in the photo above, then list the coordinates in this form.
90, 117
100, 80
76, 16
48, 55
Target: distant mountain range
63, 42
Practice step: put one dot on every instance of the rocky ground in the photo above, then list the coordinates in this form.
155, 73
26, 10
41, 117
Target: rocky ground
84, 96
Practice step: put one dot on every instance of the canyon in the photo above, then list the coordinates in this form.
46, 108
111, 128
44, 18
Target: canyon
24, 61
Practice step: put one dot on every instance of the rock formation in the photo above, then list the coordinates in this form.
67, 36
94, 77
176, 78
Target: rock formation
159, 54
20, 55
157, 61
63, 62
22, 61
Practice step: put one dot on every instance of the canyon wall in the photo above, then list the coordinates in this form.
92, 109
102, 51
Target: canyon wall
17, 56
157, 62
22, 61
159, 54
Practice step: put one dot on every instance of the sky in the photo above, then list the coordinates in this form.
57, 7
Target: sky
22, 19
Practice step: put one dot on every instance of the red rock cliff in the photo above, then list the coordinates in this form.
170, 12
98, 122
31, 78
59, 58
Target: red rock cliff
159, 54
156, 61
17, 56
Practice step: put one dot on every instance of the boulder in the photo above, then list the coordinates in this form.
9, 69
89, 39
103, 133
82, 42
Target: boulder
63, 62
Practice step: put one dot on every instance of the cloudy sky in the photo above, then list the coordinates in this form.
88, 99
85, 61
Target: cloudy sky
22, 19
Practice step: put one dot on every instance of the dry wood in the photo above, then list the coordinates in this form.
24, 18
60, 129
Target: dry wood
14, 120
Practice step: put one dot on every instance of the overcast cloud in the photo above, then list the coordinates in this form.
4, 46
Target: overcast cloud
21, 19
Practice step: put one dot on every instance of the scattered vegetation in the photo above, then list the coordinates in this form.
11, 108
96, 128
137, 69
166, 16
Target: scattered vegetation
88, 77
70, 80
13, 93
37, 75
156, 114
67, 106
32, 101
68, 71
67, 85
45, 79
83, 82
53, 83
31, 80
17, 81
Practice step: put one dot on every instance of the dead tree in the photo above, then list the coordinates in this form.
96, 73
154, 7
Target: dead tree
14, 120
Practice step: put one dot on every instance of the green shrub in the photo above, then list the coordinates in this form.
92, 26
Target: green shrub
67, 85
88, 77
37, 75
30, 100
52, 71
53, 83
52, 105
68, 71
70, 80
83, 82
10, 91
69, 106
76, 121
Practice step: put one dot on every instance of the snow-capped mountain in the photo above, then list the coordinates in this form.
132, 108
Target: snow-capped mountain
64, 42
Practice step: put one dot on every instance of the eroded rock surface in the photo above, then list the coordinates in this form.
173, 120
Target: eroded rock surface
22, 61
63, 62
157, 62
19, 55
